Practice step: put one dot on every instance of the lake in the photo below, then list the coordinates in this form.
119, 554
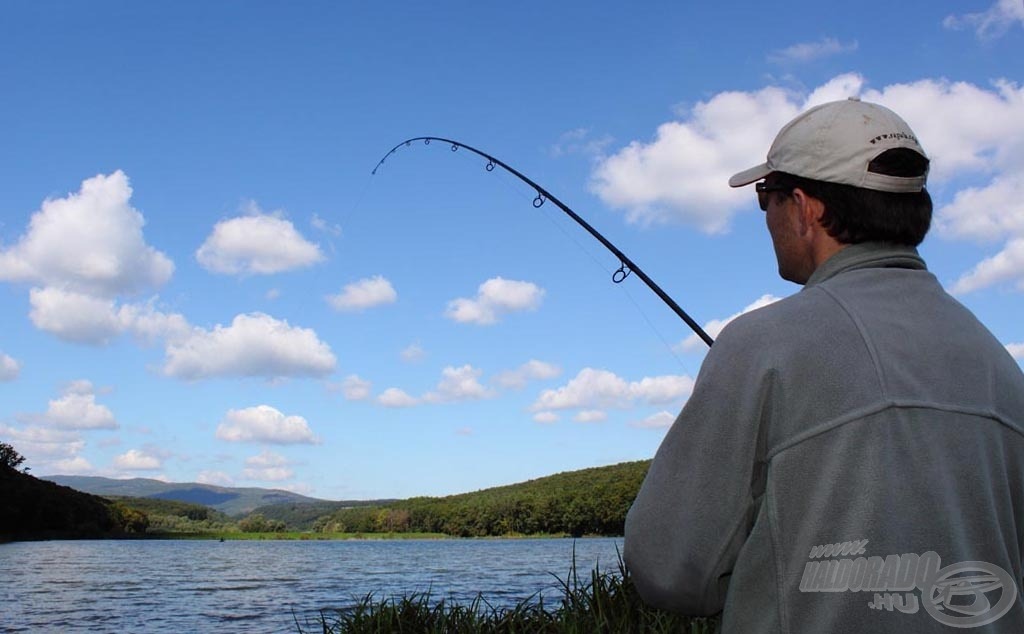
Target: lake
256, 586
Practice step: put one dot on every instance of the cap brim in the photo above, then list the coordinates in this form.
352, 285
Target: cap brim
749, 176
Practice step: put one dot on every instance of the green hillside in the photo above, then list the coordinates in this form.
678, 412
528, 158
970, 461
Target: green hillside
586, 502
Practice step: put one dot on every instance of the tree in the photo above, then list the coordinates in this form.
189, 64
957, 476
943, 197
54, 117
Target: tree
9, 456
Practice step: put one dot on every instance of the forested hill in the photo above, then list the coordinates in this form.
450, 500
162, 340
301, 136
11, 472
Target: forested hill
31, 508
586, 502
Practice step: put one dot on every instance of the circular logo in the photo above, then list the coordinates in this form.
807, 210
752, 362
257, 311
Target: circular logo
961, 601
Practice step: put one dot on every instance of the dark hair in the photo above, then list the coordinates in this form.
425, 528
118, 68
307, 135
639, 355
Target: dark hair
854, 214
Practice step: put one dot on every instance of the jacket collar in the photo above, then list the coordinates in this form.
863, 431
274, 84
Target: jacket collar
867, 255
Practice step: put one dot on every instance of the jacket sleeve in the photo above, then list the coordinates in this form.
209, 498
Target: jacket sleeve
698, 502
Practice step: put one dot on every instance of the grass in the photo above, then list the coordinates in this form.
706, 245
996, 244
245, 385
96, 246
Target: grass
604, 603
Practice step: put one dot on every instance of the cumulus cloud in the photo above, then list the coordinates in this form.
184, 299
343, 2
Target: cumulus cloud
672, 177
413, 353
580, 141
1016, 350
545, 418
267, 467
973, 134
76, 465
264, 423
1008, 264
715, 326
363, 294
216, 478
810, 51
532, 370
458, 384
322, 225
89, 242
991, 23
84, 318
44, 444
355, 389
9, 367
395, 397
257, 244
77, 409
137, 460
598, 389
253, 345
660, 420
590, 416
495, 297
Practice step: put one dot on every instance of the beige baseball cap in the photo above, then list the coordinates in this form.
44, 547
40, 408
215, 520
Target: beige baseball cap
835, 142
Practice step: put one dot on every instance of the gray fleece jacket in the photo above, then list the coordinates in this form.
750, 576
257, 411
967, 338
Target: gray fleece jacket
851, 460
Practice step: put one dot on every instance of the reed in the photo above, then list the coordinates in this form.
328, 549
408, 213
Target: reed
598, 603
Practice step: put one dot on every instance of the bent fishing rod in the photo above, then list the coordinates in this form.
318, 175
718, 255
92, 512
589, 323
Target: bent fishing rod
626, 265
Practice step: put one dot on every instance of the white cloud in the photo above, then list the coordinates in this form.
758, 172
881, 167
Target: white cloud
216, 478
257, 243
715, 326
661, 420
137, 460
590, 416
973, 134
810, 51
458, 384
77, 409
495, 297
322, 225
264, 423
545, 418
84, 318
71, 466
355, 388
43, 444
363, 294
1016, 350
580, 141
1008, 264
9, 368
395, 397
413, 353
992, 23
986, 213
532, 370
89, 242
681, 175
661, 389
253, 345
595, 389
268, 467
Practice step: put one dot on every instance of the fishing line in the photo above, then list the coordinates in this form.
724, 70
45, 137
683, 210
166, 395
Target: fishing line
626, 267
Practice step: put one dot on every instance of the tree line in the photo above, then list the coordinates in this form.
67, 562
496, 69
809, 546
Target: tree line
586, 502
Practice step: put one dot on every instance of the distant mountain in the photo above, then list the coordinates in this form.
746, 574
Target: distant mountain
228, 500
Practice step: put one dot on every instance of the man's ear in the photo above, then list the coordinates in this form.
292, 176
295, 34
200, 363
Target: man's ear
809, 212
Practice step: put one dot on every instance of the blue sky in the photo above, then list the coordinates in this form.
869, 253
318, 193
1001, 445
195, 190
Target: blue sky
202, 281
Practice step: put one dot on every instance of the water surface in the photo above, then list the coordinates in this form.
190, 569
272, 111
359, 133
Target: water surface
264, 586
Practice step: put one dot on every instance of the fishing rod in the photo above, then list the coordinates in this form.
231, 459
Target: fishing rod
626, 265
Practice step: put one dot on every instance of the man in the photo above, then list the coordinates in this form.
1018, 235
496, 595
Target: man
852, 457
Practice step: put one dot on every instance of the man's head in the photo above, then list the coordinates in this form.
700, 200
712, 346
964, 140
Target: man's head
841, 173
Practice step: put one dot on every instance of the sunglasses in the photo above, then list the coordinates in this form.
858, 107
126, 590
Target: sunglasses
763, 189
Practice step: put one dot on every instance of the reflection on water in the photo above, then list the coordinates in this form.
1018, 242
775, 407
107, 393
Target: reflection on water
263, 586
